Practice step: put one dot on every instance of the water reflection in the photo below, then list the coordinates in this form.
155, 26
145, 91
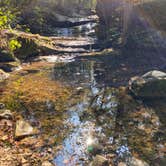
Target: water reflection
77, 73
135, 129
100, 125
77, 31
87, 132
121, 23
109, 70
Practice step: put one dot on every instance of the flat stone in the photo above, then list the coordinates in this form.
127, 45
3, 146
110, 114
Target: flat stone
99, 161
24, 129
6, 114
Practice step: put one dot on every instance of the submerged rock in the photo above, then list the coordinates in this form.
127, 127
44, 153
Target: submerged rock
24, 129
47, 163
6, 114
137, 162
150, 85
99, 161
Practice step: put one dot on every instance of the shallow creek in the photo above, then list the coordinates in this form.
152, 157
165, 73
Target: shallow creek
99, 126
90, 116
98, 117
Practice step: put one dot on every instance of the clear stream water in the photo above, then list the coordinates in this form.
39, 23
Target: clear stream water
96, 78
96, 124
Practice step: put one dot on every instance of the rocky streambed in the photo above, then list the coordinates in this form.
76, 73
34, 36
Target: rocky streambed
62, 115
76, 106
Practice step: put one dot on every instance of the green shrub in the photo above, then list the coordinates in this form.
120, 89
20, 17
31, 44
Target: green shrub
14, 44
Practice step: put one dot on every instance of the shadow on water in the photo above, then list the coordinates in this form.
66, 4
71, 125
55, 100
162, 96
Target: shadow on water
103, 123
89, 128
140, 44
102, 119
111, 131
100, 125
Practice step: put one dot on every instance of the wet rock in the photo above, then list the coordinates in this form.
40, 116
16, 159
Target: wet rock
104, 101
137, 162
6, 56
3, 75
6, 114
2, 106
150, 85
24, 129
99, 161
47, 163
122, 164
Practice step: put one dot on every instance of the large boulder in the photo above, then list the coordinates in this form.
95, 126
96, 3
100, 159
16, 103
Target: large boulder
24, 129
150, 85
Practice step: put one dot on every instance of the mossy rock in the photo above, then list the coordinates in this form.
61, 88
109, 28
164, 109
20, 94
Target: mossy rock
28, 49
150, 85
154, 89
32, 45
32, 48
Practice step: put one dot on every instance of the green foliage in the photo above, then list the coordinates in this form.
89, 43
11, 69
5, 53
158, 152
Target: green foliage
6, 14
14, 44
10, 11
6, 18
